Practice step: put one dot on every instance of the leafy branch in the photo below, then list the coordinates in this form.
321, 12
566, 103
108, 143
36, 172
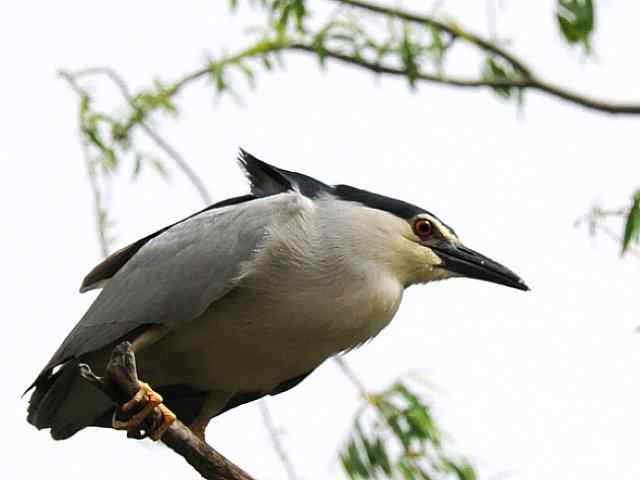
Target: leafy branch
395, 436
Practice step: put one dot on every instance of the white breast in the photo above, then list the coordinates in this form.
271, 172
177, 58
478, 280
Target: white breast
306, 296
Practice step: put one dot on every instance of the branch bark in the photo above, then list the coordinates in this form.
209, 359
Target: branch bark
454, 31
524, 84
527, 82
120, 383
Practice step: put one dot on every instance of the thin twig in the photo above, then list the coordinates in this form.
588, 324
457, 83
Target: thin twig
100, 213
151, 133
275, 439
98, 210
594, 220
351, 375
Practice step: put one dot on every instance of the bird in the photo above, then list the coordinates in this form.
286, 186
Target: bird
247, 297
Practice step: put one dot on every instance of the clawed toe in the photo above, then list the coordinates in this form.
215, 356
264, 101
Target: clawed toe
145, 400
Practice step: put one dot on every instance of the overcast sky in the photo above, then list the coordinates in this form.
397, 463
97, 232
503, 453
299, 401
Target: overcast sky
529, 385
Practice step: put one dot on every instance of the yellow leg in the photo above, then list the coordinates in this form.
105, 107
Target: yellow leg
168, 417
212, 406
149, 399
198, 427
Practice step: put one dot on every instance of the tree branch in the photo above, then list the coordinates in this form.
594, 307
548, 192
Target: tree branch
351, 375
454, 30
120, 383
524, 84
529, 80
275, 439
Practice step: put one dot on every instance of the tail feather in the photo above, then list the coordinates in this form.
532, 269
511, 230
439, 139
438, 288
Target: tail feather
65, 403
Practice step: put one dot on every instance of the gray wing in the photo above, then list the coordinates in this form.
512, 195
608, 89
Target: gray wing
173, 277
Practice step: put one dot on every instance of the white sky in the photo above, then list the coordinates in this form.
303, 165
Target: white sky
539, 385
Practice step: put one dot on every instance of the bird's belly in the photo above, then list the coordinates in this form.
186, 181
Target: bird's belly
240, 345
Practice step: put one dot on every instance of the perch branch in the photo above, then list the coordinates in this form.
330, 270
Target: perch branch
120, 383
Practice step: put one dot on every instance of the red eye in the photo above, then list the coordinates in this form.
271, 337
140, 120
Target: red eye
423, 228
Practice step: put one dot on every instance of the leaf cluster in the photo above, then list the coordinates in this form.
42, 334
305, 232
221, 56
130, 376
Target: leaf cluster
395, 436
109, 137
497, 70
576, 19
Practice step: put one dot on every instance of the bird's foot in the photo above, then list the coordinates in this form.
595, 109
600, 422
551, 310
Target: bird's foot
146, 400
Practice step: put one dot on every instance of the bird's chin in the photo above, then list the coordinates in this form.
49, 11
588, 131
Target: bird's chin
432, 274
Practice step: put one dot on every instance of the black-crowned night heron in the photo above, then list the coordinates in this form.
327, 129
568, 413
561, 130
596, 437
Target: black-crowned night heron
248, 296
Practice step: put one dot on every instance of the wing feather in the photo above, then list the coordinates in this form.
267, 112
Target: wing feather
174, 276
106, 269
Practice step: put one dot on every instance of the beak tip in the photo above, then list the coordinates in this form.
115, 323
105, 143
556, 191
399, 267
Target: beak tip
465, 262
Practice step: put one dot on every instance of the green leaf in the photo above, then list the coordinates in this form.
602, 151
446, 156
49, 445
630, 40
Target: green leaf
218, 76
266, 62
158, 166
356, 461
576, 19
401, 441
382, 456
408, 58
300, 12
495, 70
283, 19
367, 446
248, 73
438, 48
407, 469
632, 226
465, 471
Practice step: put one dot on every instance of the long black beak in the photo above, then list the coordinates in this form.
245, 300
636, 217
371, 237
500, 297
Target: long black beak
471, 264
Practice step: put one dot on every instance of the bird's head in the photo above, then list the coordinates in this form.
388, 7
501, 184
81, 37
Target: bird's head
416, 245
419, 245
438, 253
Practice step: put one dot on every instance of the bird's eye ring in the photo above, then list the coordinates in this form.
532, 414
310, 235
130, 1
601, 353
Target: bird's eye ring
423, 228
